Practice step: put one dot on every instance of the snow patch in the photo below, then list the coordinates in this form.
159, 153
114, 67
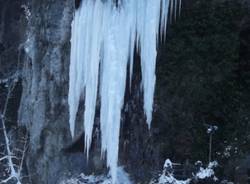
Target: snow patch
167, 176
207, 172
122, 178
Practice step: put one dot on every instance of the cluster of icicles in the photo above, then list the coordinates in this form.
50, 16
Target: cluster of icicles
104, 37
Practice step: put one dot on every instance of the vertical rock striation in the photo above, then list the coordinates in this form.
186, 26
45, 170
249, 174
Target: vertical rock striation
43, 108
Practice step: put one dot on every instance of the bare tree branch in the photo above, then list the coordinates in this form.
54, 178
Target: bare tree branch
13, 77
13, 168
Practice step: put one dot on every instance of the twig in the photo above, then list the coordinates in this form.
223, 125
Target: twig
15, 170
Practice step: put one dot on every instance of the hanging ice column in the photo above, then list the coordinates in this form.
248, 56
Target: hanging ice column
104, 35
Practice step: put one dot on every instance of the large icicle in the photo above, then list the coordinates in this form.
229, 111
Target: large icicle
104, 36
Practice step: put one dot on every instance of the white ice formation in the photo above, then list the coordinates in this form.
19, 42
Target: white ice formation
104, 37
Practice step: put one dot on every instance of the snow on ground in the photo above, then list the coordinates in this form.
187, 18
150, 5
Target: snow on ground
207, 172
167, 176
122, 178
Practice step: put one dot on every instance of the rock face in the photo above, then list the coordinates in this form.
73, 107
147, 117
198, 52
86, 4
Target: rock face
43, 108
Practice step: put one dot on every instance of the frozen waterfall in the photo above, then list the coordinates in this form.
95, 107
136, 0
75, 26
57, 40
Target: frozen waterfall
104, 35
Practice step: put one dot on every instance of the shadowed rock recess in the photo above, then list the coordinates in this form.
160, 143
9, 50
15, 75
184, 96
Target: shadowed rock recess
203, 77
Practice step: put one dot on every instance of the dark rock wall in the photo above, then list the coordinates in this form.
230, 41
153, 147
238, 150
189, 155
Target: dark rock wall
43, 108
11, 19
202, 78
12, 29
